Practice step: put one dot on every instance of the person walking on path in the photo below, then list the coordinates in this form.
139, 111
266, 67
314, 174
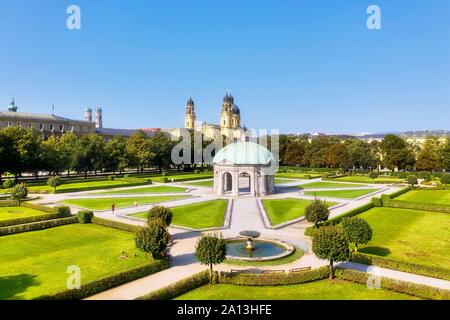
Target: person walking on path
113, 207
136, 206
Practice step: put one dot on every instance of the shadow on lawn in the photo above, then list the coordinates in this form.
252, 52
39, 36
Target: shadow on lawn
11, 287
378, 251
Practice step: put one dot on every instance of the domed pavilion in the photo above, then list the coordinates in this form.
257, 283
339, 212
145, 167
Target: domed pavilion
244, 168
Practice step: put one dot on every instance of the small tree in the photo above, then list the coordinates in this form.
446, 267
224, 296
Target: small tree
211, 250
358, 230
412, 180
153, 238
317, 212
373, 175
160, 213
55, 182
331, 243
445, 179
19, 192
8, 184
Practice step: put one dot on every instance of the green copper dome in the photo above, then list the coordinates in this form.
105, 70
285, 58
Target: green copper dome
244, 153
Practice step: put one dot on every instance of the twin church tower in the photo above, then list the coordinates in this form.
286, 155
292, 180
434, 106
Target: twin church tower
230, 120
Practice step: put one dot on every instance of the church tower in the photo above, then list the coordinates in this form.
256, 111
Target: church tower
12, 106
230, 117
88, 114
189, 117
99, 118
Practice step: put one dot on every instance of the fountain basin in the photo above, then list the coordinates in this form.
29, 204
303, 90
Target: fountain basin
263, 249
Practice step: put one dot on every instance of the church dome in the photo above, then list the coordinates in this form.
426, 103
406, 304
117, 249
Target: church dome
190, 102
227, 99
244, 153
236, 109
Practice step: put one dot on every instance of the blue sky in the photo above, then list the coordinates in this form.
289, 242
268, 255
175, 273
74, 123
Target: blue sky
297, 66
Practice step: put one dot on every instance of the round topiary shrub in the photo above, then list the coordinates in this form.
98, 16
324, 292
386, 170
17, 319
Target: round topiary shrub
9, 183
373, 175
153, 238
85, 216
62, 210
424, 175
160, 213
19, 192
111, 178
412, 180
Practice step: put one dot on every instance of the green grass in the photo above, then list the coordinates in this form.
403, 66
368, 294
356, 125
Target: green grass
344, 194
318, 290
35, 263
208, 183
283, 210
208, 214
154, 189
190, 176
298, 175
327, 185
87, 185
427, 196
282, 181
8, 213
413, 236
366, 179
106, 203
297, 254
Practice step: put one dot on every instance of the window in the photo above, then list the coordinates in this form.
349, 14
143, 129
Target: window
9, 124
61, 128
52, 127
41, 126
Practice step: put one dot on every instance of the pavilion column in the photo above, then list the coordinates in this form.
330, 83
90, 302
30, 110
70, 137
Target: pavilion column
252, 184
236, 183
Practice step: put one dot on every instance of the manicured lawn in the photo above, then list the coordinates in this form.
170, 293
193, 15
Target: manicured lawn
366, 179
282, 181
154, 189
427, 196
414, 236
297, 254
327, 185
298, 175
35, 263
283, 210
106, 203
8, 213
208, 214
207, 183
345, 194
318, 290
87, 185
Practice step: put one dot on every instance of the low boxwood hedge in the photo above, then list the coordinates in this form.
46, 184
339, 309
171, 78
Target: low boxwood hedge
399, 192
8, 203
418, 290
44, 217
115, 224
416, 206
85, 216
108, 282
178, 288
37, 225
274, 279
388, 263
38, 207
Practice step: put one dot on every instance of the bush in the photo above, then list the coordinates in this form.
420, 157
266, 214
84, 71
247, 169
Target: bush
424, 175
39, 207
163, 180
417, 206
62, 210
149, 181
55, 182
211, 250
418, 290
111, 178
19, 192
196, 171
178, 288
85, 216
8, 203
49, 216
403, 175
317, 212
245, 279
377, 202
388, 263
108, 282
115, 224
153, 238
357, 230
412, 180
445, 179
9, 183
160, 213
373, 175
37, 225
399, 192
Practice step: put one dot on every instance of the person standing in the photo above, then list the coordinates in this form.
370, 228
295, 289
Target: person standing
113, 207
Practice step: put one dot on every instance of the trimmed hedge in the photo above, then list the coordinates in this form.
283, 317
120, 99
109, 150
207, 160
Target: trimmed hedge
32, 219
8, 203
85, 216
178, 288
37, 225
418, 290
38, 207
416, 206
115, 224
108, 282
399, 192
130, 182
336, 220
435, 272
274, 279
62, 210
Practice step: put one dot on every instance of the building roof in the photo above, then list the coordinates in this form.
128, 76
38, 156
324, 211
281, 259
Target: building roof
244, 153
122, 132
37, 116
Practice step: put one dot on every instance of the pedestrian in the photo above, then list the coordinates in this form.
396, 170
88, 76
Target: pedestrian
113, 207
135, 205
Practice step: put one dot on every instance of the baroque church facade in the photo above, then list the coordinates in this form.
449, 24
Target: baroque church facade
229, 125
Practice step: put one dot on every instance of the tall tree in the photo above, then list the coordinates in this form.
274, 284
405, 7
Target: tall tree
396, 153
295, 153
429, 154
116, 154
90, 153
360, 154
139, 151
161, 147
67, 146
444, 158
337, 156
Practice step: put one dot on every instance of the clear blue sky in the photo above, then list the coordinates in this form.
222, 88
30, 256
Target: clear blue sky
298, 66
